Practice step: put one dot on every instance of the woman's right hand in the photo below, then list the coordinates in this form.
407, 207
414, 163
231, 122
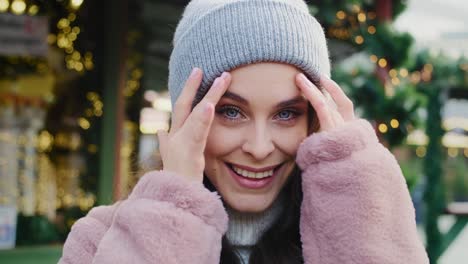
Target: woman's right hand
182, 148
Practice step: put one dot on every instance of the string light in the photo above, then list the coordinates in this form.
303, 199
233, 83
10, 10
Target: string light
393, 73
45, 141
71, 17
382, 62
394, 123
88, 61
373, 58
75, 4
92, 148
33, 9
403, 72
428, 67
94, 98
359, 40
65, 39
362, 17
63, 23
76, 30
421, 151
383, 128
76, 55
4, 4
341, 15
18, 7
84, 123
395, 81
371, 30
79, 66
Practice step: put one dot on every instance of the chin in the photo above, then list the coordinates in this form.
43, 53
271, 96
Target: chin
249, 203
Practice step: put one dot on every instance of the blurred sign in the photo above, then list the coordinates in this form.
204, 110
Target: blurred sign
7, 227
23, 35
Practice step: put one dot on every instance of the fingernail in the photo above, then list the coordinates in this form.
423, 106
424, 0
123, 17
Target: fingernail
194, 72
224, 75
326, 76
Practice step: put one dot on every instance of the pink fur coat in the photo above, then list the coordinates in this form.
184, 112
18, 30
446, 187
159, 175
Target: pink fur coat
356, 209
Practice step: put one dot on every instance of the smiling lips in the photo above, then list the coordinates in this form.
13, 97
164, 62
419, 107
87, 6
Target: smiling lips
253, 173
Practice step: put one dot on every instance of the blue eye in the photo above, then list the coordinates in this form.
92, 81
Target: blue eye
285, 114
230, 112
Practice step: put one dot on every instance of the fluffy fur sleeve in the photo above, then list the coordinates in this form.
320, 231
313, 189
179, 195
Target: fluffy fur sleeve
166, 219
356, 206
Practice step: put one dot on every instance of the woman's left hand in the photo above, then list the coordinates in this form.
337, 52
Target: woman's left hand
329, 116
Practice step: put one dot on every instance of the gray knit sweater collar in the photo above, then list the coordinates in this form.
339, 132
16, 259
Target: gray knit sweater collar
245, 229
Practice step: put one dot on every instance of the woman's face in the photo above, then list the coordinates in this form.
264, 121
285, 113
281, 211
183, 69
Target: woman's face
258, 126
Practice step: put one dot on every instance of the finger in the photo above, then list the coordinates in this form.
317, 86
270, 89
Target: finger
337, 118
316, 99
218, 88
344, 104
198, 124
183, 105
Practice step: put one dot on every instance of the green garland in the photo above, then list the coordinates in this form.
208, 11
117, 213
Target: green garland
325, 10
368, 94
387, 43
442, 73
356, 23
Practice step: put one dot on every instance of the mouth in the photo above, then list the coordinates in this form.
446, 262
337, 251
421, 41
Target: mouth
253, 173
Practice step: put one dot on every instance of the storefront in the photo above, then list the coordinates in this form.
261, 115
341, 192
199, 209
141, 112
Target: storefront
75, 124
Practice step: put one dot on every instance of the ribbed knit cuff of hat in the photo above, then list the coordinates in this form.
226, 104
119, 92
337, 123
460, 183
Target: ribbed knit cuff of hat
219, 36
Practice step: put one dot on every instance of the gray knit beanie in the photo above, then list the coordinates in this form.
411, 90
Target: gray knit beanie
221, 35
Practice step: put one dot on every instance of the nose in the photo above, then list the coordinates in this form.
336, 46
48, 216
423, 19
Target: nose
258, 142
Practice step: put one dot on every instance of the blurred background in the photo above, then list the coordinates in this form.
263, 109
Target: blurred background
83, 91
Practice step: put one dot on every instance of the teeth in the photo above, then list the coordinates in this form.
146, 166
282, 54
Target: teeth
254, 175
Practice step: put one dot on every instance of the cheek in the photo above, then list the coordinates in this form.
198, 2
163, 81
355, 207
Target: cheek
222, 141
288, 140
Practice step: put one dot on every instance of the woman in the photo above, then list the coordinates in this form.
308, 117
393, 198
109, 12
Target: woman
299, 178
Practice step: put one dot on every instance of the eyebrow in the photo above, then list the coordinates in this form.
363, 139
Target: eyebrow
290, 102
235, 97
287, 103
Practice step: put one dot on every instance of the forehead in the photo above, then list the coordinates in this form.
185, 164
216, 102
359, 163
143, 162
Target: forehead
265, 81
